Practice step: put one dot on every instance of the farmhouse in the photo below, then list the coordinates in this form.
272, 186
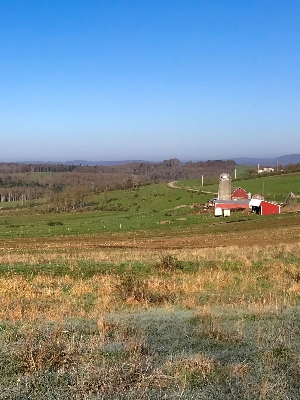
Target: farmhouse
265, 169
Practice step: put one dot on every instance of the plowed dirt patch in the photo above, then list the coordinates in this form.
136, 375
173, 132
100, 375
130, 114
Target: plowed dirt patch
239, 234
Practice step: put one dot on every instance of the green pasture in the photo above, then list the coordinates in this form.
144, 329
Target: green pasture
196, 184
242, 170
272, 188
35, 174
153, 207
11, 204
149, 207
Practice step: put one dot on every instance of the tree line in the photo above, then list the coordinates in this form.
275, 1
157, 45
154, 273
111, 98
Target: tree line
70, 186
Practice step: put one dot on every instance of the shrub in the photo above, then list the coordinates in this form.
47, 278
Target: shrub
53, 223
136, 288
132, 286
46, 350
169, 262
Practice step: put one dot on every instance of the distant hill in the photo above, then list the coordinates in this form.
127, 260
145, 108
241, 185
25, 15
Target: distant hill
85, 162
289, 159
101, 163
282, 160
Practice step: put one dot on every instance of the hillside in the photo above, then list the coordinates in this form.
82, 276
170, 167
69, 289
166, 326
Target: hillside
75, 183
273, 188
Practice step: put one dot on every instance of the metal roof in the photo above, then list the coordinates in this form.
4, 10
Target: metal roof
233, 201
255, 202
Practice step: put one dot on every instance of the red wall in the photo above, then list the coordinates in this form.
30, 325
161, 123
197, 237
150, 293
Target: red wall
269, 208
231, 205
239, 193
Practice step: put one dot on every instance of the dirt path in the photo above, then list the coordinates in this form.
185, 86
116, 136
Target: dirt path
173, 186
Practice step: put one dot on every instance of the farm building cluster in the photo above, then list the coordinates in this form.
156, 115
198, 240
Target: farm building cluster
239, 199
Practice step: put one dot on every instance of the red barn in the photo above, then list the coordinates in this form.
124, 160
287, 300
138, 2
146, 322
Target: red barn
263, 207
239, 193
230, 204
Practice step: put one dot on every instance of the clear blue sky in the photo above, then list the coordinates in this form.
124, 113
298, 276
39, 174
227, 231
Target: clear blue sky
149, 79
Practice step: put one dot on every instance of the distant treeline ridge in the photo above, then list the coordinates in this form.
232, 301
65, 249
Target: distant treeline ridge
25, 182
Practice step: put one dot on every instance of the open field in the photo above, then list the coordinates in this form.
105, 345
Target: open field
243, 169
274, 187
130, 323
125, 210
240, 230
150, 210
124, 302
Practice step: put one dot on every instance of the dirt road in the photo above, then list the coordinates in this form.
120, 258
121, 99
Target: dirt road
173, 186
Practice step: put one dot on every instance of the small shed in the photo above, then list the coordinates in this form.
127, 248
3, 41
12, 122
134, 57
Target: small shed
239, 193
263, 207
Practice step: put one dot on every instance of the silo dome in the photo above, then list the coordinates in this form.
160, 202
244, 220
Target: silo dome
225, 177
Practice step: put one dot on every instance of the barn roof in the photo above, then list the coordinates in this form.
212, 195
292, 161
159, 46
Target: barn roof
233, 201
233, 189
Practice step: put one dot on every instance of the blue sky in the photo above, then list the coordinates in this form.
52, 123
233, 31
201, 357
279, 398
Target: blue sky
152, 80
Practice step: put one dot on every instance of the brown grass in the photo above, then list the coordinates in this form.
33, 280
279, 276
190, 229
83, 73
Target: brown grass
66, 327
56, 298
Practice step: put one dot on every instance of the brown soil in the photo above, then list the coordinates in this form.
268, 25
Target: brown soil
243, 232
292, 208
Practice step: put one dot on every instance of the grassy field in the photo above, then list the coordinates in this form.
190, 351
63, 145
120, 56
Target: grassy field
272, 187
180, 217
153, 207
129, 210
242, 170
142, 298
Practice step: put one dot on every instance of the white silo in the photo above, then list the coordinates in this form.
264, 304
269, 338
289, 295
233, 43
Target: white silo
225, 187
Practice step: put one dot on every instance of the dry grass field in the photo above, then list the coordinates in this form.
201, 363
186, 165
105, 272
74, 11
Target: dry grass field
135, 316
